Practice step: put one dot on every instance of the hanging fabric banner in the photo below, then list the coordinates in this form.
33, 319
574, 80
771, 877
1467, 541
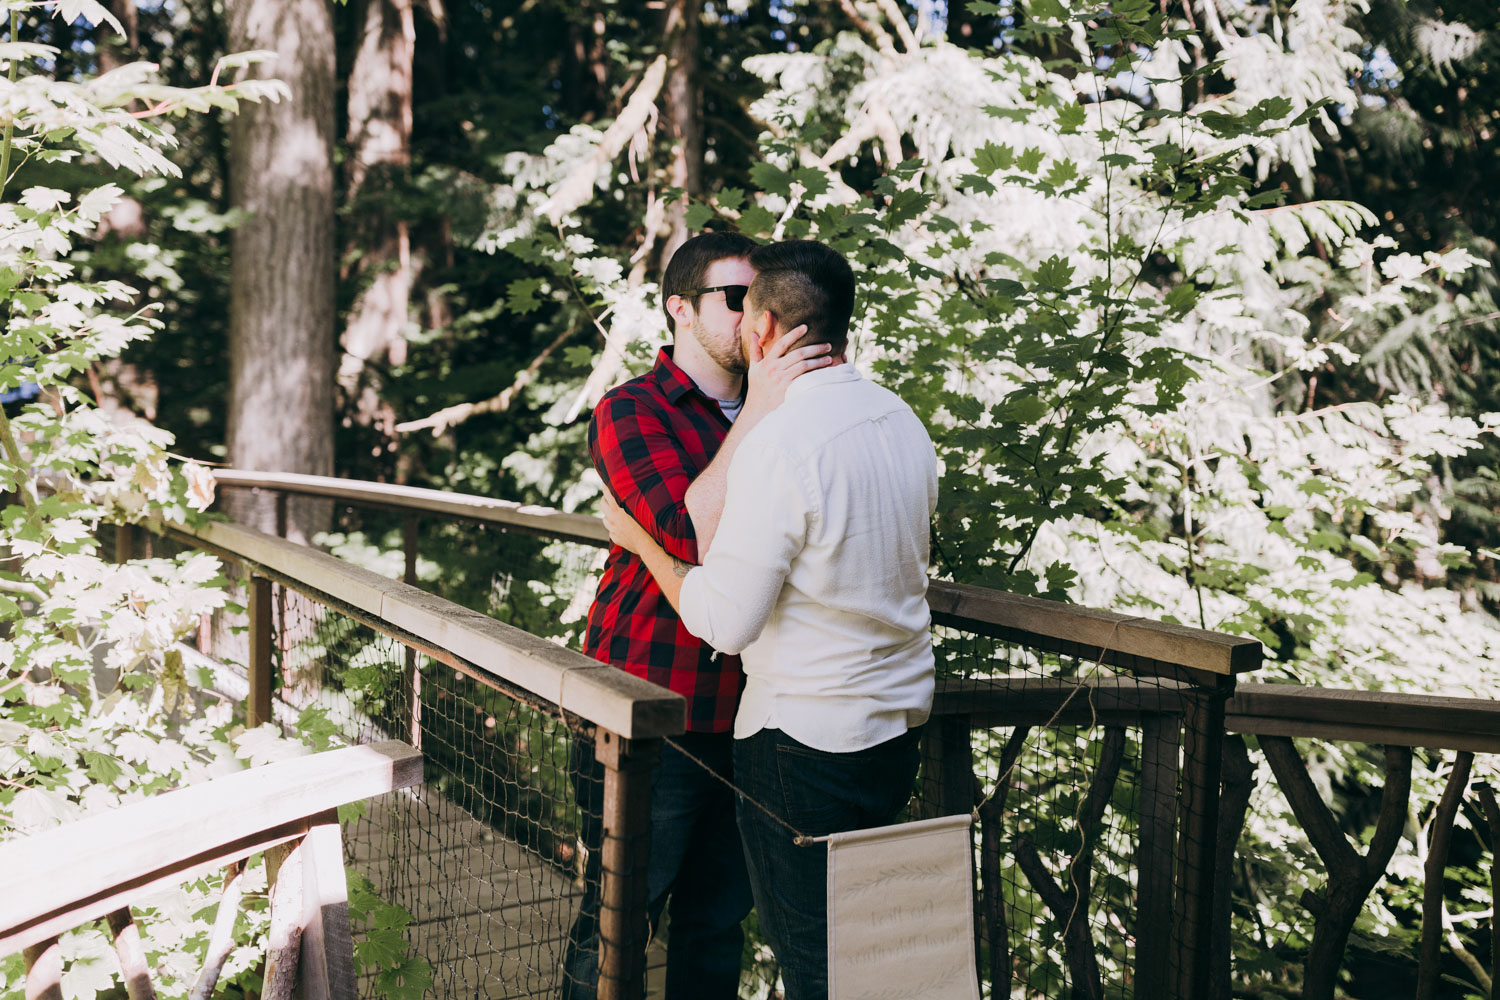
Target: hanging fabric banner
901, 912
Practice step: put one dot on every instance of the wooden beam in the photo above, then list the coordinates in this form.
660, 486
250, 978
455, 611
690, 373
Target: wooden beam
84, 870
1028, 700
1387, 718
284, 935
327, 960
133, 967
43, 970
262, 641
581, 685
970, 608
505, 513
125, 542
953, 604
623, 931
221, 936
1160, 771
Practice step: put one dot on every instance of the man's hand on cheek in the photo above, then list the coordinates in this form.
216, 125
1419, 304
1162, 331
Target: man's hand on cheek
771, 372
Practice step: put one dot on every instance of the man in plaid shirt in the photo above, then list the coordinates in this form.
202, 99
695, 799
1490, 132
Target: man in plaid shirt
650, 438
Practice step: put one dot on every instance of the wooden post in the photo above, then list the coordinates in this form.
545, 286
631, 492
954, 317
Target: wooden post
124, 542
284, 936
947, 767
625, 851
327, 958
1198, 826
136, 972
258, 702
44, 971
409, 550
281, 515
1160, 770
1234, 803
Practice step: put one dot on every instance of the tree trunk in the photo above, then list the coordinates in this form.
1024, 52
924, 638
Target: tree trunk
684, 116
380, 114
281, 304
116, 50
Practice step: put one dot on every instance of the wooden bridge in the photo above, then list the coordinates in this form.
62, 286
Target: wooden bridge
1105, 755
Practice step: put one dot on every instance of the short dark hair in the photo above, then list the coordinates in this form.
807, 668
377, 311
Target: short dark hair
805, 282
686, 268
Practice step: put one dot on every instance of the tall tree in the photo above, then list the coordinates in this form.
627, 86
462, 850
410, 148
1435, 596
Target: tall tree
684, 117
281, 304
379, 240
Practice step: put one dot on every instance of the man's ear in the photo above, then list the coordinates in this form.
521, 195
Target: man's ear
765, 328
681, 311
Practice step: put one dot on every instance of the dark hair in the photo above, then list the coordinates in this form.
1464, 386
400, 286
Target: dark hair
804, 281
691, 261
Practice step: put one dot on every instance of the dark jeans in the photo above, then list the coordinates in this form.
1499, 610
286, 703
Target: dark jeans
818, 793
697, 868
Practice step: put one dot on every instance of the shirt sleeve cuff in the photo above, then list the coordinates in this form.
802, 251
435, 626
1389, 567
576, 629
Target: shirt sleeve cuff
692, 605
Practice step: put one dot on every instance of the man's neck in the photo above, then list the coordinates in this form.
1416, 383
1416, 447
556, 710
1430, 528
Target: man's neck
707, 375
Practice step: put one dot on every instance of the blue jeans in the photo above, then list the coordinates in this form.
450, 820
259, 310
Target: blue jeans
696, 871
818, 793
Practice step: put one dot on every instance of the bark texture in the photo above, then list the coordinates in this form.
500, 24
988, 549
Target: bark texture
684, 117
380, 119
282, 299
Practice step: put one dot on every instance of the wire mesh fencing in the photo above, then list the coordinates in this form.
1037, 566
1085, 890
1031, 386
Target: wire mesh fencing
496, 860
1075, 770
485, 858
1093, 777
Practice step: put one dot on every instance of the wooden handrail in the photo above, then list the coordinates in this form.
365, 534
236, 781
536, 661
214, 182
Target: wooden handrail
1019, 619
624, 704
464, 506
982, 610
1380, 718
64, 877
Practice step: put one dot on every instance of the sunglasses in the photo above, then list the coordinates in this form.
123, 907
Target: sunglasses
734, 295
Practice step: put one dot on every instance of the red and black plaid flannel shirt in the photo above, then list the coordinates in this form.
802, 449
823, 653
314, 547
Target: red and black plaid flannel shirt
649, 438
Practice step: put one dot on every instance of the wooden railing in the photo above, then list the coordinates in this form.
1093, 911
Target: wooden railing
1176, 685
1195, 668
624, 717
93, 868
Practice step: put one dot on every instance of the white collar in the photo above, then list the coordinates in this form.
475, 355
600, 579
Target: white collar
823, 376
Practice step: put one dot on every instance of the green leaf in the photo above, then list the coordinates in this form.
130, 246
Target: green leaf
813, 179
408, 981
730, 199
904, 207
1061, 173
756, 220
1029, 161
102, 767
1054, 273
1070, 118
1013, 114
990, 158
520, 295
769, 179
697, 215
1181, 299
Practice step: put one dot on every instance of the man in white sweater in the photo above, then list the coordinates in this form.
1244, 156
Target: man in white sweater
816, 573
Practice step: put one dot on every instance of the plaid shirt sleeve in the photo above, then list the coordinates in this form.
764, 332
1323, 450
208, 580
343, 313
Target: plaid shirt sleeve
639, 460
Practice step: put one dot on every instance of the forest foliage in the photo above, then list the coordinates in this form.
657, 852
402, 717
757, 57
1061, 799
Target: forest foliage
1197, 299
